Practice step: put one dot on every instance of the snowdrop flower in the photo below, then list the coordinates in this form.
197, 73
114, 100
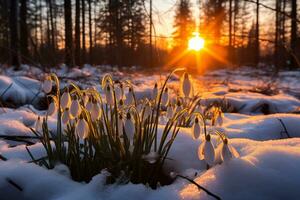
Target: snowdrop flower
96, 112
120, 125
186, 86
151, 157
178, 107
206, 151
89, 106
119, 92
165, 97
154, 92
85, 99
52, 108
196, 128
109, 95
129, 97
228, 151
169, 111
38, 125
47, 85
66, 116
65, 100
129, 127
75, 108
82, 129
219, 118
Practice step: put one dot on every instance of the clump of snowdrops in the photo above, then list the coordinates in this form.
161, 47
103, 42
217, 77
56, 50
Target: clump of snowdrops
207, 151
117, 133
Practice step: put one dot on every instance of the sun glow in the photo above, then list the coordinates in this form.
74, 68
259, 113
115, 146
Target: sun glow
196, 43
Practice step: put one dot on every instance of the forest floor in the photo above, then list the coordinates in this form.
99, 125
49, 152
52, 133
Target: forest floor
262, 121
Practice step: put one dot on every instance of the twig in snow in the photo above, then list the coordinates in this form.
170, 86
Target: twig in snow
14, 184
3, 158
284, 128
200, 187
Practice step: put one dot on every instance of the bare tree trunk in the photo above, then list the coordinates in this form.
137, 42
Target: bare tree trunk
68, 34
14, 34
293, 30
276, 48
230, 32
53, 28
90, 32
77, 33
83, 31
257, 53
23, 29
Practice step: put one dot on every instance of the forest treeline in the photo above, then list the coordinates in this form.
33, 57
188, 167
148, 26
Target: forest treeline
122, 32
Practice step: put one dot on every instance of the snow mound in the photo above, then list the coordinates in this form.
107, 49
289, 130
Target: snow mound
20, 90
268, 171
262, 127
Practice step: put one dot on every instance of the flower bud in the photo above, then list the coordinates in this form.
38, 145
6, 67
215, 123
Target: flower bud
186, 86
165, 97
38, 125
47, 85
75, 108
109, 95
82, 129
206, 151
52, 108
196, 129
66, 116
129, 127
65, 100
96, 112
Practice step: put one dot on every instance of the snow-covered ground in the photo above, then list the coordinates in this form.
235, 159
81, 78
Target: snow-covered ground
269, 145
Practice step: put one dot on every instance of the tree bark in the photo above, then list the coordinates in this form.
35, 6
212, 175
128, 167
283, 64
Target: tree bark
257, 53
90, 32
293, 31
23, 29
14, 34
77, 32
83, 31
68, 34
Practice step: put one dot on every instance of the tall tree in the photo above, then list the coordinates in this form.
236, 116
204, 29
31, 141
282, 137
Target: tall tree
83, 31
24, 29
90, 31
68, 34
184, 24
14, 33
293, 30
77, 32
214, 17
257, 53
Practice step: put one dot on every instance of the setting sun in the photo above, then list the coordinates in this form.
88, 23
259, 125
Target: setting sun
196, 43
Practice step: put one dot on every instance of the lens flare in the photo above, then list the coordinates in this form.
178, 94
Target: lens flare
196, 43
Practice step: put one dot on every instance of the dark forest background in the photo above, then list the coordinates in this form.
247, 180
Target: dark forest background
47, 33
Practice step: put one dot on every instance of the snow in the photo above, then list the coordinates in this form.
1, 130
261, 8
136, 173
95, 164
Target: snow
268, 166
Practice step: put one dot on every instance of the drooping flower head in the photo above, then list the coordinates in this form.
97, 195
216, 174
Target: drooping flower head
196, 129
82, 129
65, 100
186, 85
129, 127
75, 108
47, 85
206, 151
109, 95
165, 97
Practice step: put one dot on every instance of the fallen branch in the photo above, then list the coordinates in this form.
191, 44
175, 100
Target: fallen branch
284, 128
199, 187
14, 184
